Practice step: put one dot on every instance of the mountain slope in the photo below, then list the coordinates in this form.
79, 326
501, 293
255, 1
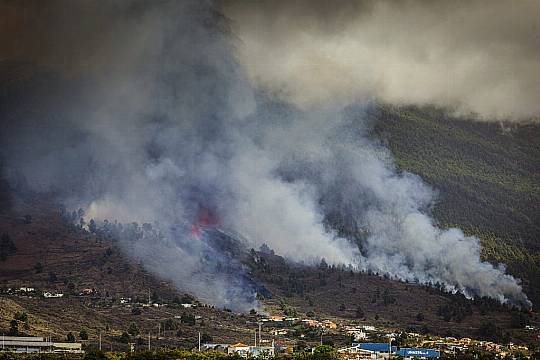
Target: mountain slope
487, 177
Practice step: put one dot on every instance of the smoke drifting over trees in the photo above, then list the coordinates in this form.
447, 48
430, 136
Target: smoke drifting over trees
140, 112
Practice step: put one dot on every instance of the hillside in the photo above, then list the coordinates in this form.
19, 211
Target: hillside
487, 176
53, 256
370, 299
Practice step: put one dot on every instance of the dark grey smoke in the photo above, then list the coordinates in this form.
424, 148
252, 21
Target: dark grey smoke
140, 113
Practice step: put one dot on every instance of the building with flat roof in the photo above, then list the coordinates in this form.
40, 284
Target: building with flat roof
36, 344
361, 351
355, 353
376, 347
418, 353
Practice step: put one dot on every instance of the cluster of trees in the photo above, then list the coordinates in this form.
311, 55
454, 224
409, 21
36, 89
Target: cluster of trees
111, 230
490, 331
486, 179
187, 318
7, 247
455, 311
19, 319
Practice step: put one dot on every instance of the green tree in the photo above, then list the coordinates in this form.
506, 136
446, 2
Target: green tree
124, 337
518, 320
324, 352
70, 337
92, 227
187, 319
136, 311
52, 277
83, 335
7, 247
95, 355
21, 316
13, 328
187, 299
205, 338
133, 329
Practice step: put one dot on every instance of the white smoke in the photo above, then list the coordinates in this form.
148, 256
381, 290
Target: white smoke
165, 123
476, 56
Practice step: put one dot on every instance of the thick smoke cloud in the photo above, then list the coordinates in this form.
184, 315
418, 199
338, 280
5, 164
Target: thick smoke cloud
141, 113
479, 57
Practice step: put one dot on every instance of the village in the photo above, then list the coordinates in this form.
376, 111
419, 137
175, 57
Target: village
271, 334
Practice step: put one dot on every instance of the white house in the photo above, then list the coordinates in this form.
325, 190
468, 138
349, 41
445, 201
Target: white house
52, 295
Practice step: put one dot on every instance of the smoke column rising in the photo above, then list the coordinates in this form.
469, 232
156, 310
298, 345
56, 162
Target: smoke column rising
141, 113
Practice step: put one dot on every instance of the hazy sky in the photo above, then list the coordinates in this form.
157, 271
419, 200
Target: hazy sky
480, 56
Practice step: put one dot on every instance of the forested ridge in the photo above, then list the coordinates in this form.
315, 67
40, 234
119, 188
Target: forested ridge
486, 175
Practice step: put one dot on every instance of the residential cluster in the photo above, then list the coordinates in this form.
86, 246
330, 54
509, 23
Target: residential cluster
284, 334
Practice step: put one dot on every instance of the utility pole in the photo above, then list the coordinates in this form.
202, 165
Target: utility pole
148, 341
100, 341
199, 341
390, 347
260, 334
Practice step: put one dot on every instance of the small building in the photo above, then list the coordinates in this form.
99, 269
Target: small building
36, 344
67, 347
251, 351
283, 348
359, 335
48, 294
238, 348
279, 332
379, 347
328, 324
310, 323
261, 351
355, 353
418, 353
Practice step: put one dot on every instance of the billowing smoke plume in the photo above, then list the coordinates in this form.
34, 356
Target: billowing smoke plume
479, 56
139, 112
